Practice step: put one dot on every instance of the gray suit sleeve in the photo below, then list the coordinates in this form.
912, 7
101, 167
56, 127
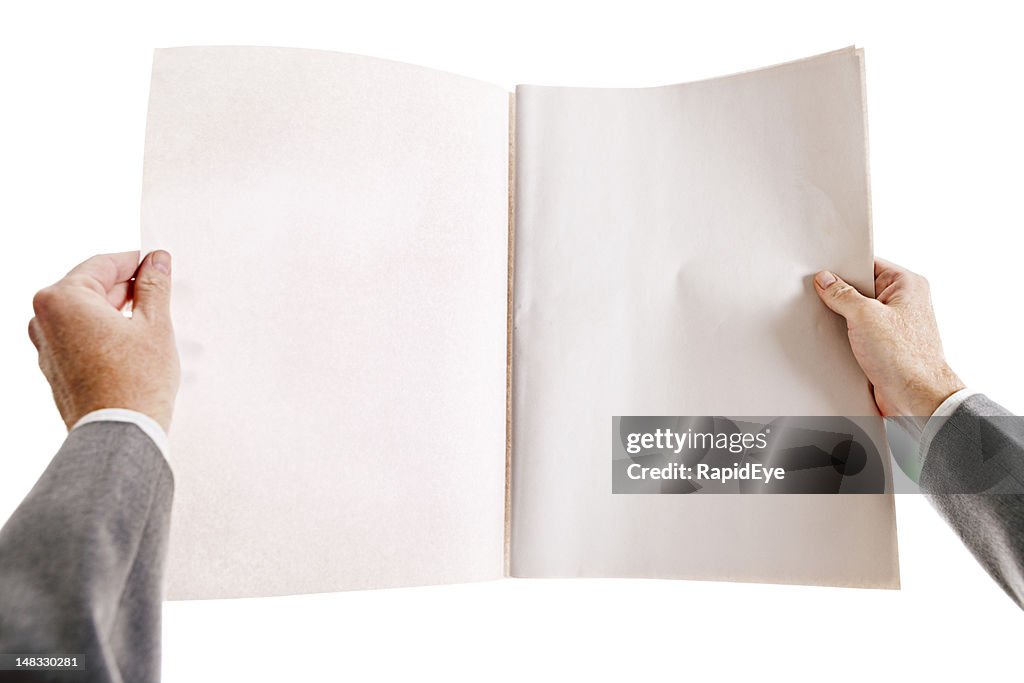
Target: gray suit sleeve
81, 559
974, 473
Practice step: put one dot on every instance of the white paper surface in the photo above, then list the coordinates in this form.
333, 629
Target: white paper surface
665, 243
339, 228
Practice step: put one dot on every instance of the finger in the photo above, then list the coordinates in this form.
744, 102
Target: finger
152, 291
881, 266
118, 295
838, 295
887, 274
894, 283
33, 333
886, 278
103, 273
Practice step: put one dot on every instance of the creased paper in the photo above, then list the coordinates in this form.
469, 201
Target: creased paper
665, 244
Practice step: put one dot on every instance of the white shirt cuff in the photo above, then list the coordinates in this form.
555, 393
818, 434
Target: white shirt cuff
144, 422
938, 418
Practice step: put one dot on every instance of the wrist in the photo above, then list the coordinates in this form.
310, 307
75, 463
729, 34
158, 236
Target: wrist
928, 394
153, 407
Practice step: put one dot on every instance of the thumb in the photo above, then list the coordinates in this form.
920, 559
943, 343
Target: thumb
152, 298
837, 294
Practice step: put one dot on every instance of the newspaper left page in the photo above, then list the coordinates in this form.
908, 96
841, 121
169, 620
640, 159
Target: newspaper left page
339, 229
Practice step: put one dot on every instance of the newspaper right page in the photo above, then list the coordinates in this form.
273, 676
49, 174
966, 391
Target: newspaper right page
665, 243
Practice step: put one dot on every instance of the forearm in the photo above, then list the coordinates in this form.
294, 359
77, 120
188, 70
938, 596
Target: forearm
81, 559
974, 471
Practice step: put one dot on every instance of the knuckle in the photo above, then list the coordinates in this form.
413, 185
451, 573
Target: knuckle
154, 283
43, 300
841, 290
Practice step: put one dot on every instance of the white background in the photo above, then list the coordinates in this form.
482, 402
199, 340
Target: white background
944, 93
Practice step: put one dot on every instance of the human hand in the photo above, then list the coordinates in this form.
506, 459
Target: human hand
895, 339
92, 355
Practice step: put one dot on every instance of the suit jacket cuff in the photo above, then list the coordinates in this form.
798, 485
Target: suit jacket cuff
938, 419
148, 425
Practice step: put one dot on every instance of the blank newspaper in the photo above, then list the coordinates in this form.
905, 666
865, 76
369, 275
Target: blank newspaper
350, 236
